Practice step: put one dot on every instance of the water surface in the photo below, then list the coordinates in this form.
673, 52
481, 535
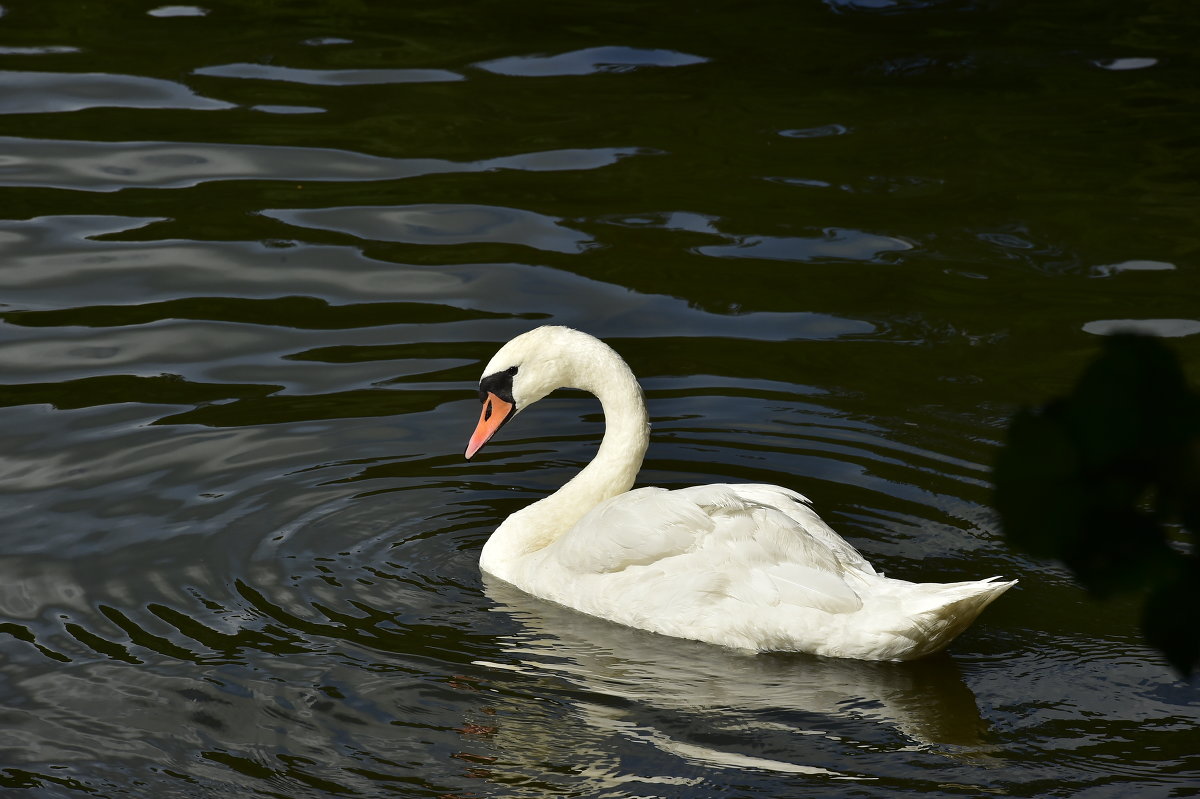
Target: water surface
253, 258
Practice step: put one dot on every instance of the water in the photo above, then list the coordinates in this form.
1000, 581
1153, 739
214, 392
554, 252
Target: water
255, 255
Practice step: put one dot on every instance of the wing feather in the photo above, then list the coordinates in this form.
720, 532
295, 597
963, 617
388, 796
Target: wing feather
760, 545
636, 528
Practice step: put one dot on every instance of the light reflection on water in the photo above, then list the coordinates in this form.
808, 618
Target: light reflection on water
238, 349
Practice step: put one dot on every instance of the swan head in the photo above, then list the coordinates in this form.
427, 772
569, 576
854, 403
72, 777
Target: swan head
528, 368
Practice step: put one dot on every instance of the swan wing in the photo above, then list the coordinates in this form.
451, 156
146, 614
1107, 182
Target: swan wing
637, 528
806, 536
758, 545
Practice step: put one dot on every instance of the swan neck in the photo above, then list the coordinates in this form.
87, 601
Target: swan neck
611, 472
626, 437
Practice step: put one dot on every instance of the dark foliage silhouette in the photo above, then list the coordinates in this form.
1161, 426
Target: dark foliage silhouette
1107, 480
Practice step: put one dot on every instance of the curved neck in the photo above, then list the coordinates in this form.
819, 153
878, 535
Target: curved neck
615, 467
611, 472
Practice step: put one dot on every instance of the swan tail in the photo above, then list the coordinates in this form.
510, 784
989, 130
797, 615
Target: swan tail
936, 613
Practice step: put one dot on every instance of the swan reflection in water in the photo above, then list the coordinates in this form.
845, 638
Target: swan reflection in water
754, 708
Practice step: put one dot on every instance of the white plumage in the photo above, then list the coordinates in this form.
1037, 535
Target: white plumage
745, 566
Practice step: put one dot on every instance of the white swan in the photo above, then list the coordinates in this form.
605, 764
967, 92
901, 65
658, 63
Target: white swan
744, 566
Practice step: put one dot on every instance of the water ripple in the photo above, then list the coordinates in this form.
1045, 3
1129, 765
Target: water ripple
1167, 328
588, 61
110, 166
442, 224
48, 49
177, 11
831, 243
835, 243
329, 77
55, 92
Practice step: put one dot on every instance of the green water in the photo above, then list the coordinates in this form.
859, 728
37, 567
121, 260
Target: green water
253, 257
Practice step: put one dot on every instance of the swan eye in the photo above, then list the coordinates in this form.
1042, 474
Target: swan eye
499, 384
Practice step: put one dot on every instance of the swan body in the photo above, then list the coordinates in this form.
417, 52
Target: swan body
745, 566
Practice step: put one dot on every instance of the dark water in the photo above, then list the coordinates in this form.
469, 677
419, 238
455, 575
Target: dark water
253, 256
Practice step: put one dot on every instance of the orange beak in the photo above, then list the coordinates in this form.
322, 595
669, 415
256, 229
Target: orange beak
495, 413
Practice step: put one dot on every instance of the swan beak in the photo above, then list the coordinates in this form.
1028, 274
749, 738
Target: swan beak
495, 413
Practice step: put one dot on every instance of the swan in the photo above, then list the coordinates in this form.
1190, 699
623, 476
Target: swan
750, 567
